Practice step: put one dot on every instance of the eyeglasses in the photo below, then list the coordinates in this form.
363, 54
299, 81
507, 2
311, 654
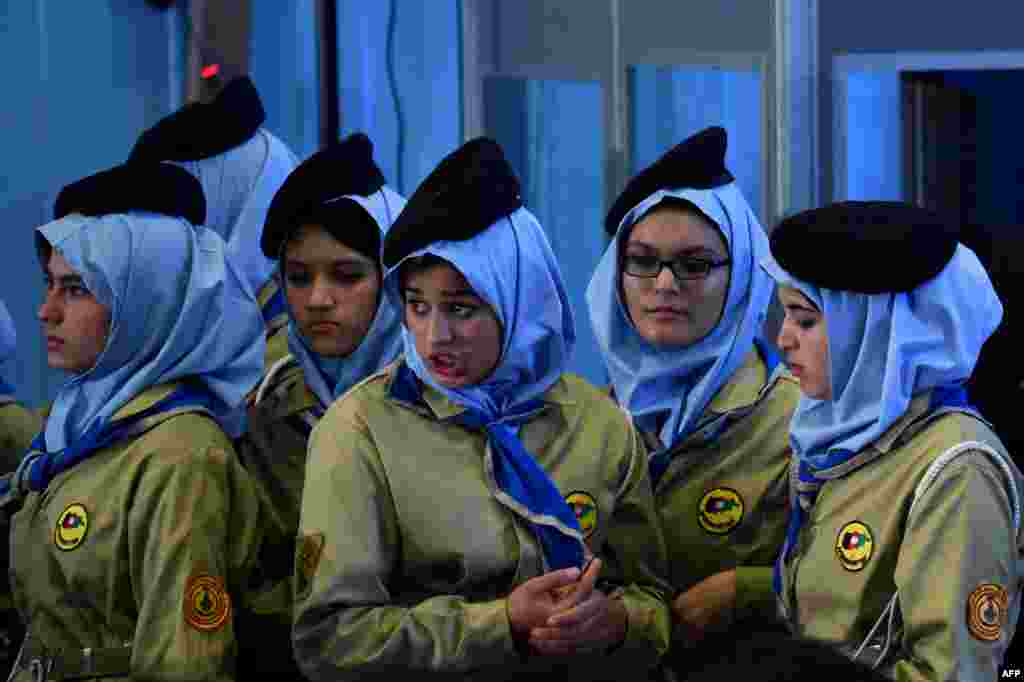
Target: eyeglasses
684, 267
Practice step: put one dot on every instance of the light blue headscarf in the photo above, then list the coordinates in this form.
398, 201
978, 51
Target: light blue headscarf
8, 342
886, 348
239, 185
329, 378
883, 350
510, 265
677, 384
177, 309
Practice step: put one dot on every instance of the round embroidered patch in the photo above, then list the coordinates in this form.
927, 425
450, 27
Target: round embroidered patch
309, 554
854, 545
585, 509
207, 604
720, 510
72, 525
987, 611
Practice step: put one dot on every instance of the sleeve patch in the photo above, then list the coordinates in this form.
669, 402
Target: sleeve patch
987, 611
307, 559
207, 604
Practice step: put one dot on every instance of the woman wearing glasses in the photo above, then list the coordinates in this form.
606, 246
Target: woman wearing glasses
677, 304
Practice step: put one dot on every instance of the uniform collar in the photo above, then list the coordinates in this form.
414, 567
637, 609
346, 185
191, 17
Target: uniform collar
443, 409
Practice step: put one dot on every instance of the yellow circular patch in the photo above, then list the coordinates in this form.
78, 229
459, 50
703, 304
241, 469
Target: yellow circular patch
585, 509
207, 604
854, 545
987, 611
720, 510
72, 525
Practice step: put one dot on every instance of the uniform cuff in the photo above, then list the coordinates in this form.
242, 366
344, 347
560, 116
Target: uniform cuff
648, 629
755, 596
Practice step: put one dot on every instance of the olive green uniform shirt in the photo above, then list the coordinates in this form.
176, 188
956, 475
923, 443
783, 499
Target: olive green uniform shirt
955, 560
144, 547
18, 426
723, 501
407, 559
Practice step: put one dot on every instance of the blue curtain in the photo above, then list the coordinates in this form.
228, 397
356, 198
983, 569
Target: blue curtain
413, 110
553, 134
671, 103
83, 79
284, 65
873, 168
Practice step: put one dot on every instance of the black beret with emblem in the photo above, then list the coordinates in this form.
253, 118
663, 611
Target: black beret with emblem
470, 190
201, 130
698, 162
135, 186
868, 247
310, 195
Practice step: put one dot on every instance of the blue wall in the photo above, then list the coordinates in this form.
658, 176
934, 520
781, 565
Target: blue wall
553, 135
427, 70
672, 103
871, 107
83, 79
284, 64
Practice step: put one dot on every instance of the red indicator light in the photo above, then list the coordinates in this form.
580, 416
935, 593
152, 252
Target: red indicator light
210, 71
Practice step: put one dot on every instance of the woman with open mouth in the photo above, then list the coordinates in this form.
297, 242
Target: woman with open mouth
473, 510
678, 304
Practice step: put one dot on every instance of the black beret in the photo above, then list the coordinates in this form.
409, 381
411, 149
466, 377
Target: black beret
698, 162
868, 247
135, 186
471, 189
199, 131
343, 168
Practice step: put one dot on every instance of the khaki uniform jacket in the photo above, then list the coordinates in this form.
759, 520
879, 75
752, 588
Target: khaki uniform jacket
723, 503
140, 553
277, 347
955, 560
406, 559
273, 449
18, 426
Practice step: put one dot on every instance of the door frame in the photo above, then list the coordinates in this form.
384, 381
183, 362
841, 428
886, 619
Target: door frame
843, 65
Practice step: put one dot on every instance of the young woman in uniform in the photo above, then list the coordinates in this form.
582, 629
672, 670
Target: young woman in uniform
18, 426
136, 528
240, 165
904, 546
325, 227
452, 499
678, 303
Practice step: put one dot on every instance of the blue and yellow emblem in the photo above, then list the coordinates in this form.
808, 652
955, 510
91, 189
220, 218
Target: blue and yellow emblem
72, 525
854, 545
585, 509
720, 510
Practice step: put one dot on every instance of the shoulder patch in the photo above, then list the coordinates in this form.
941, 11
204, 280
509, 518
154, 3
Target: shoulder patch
987, 612
720, 510
854, 545
72, 526
586, 511
307, 559
207, 604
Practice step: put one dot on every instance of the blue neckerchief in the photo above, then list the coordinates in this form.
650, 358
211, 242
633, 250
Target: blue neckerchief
39, 467
658, 463
523, 486
808, 485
